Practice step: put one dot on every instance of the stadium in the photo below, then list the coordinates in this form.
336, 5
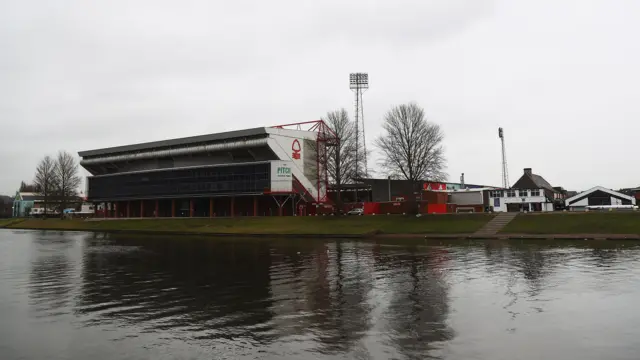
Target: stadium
265, 171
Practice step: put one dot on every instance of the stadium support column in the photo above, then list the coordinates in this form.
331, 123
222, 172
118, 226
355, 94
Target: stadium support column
255, 206
191, 208
128, 209
157, 208
210, 207
233, 205
173, 208
115, 210
141, 208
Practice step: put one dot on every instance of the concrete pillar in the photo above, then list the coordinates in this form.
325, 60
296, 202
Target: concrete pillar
233, 205
255, 206
191, 208
141, 208
210, 207
128, 209
157, 208
173, 207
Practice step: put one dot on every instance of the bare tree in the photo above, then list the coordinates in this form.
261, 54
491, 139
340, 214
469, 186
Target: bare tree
412, 147
341, 157
342, 165
46, 180
67, 176
24, 187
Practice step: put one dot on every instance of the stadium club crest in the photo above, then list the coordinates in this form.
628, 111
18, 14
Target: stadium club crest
295, 146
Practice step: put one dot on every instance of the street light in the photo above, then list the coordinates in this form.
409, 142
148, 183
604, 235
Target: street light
358, 83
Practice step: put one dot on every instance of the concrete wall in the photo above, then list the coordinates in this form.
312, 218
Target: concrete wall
298, 151
466, 197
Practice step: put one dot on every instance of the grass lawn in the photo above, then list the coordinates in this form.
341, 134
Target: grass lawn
576, 223
5, 222
429, 224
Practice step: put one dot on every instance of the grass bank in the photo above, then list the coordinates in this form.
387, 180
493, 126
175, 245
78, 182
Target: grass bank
7, 222
430, 224
575, 223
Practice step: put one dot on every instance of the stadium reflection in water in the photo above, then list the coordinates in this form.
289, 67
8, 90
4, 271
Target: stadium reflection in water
79, 296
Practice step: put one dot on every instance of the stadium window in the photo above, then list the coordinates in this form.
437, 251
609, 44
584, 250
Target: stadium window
535, 192
523, 193
511, 193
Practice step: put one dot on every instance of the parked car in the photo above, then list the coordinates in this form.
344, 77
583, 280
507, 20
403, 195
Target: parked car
356, 211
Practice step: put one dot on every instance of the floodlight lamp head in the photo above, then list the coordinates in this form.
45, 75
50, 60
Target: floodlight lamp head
358, 81
500, 133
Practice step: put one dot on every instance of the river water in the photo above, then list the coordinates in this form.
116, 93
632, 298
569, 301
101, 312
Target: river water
92, 296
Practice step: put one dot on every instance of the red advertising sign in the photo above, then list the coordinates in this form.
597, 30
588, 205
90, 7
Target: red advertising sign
295, 146
434, 186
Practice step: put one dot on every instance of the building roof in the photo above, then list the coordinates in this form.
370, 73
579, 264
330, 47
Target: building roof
584, 194
541, 182
486, 188
529, 178
176, 142
28, 196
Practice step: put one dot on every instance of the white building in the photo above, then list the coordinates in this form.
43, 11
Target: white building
531, 193
515, 200
598, 196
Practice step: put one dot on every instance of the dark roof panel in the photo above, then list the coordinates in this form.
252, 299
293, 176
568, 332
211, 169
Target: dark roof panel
51, 198
32, 198
541, 182
176, 142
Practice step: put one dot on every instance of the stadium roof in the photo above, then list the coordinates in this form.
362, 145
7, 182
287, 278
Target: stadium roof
176, 142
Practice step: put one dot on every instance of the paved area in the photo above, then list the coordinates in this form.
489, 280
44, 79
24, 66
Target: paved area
496, 224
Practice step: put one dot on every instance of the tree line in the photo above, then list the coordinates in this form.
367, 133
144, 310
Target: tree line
55, 178
411, 147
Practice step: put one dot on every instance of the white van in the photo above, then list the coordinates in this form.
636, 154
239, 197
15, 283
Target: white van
36, 212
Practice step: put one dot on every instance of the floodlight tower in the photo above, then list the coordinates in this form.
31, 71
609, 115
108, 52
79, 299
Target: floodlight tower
359, 83
505, 172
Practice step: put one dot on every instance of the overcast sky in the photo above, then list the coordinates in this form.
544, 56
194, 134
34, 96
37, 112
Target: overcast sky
561, 77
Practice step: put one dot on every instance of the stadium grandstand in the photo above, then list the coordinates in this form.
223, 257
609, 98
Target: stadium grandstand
264, 171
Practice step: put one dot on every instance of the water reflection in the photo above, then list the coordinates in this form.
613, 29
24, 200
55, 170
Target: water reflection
418, 305
204, 291
105, 296
51, 276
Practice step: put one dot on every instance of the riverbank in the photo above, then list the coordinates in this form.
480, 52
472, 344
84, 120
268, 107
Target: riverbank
359, 226
575, 223
7, 222
550, 226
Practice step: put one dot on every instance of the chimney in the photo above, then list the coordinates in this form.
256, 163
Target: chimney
527, 171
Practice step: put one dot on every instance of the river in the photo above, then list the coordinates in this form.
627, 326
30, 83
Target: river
94, 296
